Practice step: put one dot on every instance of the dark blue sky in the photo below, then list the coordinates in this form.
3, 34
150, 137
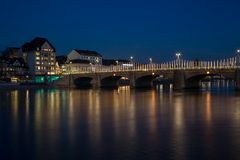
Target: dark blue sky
203, 29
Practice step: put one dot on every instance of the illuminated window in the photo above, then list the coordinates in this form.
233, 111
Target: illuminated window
45, 49
37, 62
97, 60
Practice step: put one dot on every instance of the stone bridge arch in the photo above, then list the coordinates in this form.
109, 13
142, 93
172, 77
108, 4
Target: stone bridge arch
82, 82
191, 79
145, 80
112, 79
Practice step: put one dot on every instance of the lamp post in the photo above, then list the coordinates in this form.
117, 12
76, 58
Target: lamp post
131, 62
150, 60
178, 55
238, 57
150, 63
131, 59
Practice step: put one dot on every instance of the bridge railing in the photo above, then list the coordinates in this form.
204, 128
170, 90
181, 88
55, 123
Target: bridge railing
230, 63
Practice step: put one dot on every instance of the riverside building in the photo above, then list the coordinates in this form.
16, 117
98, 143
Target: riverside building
39, 54
92, 56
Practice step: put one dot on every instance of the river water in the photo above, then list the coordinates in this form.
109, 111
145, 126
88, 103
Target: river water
119, 123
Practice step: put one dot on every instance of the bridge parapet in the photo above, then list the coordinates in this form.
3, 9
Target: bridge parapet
181, 71
230, 63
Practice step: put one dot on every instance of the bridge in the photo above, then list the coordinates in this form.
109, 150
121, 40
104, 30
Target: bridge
183, 73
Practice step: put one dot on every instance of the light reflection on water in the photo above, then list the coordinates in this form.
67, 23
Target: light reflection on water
119, 124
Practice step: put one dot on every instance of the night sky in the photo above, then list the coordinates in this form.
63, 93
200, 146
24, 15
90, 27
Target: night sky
203, 29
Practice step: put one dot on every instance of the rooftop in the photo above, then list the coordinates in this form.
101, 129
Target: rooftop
35, 44
88, 53
13, 62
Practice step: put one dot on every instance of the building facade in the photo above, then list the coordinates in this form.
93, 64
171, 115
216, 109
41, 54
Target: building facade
13, 69
92, 56
39, 54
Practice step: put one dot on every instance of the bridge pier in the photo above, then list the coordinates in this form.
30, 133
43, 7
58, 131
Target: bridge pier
70, 79
237, 79
132, 80
178, 80
96, 82
66, 81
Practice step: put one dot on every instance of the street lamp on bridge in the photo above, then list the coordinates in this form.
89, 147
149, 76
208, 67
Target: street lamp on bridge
238, 57
131, 59
178, 55
150, 60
